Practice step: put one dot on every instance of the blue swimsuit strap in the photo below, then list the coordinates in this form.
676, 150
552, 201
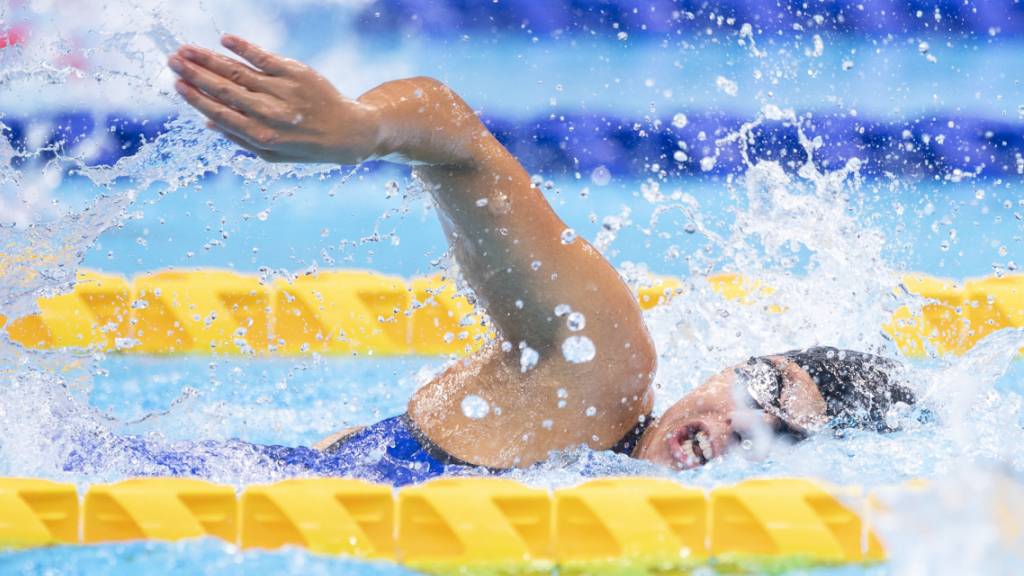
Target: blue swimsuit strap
435, 451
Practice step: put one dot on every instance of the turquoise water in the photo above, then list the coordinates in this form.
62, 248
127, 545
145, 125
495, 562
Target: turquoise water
949, 229
297, 402
833, 244
188, 557
213, 558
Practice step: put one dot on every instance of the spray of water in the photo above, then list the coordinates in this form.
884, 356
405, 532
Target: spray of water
798, 233
45, 417
796, 230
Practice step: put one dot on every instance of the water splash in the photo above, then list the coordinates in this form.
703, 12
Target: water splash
968, 523
45, 414
796, 230
814, 274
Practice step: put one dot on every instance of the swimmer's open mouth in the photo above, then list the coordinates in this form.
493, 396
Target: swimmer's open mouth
691, 446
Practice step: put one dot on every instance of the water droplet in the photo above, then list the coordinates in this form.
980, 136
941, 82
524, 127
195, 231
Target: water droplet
622, 36
562, 310
601, 176
707, 163
923, 47
481, 202
690, 228
390, 188
819, 46
591, 411
535, 265
727, 86
679, 156
475, 407
528, 359
519, 304
576, 321
679, 120
578, 349
547, 424
125, 343
262, 215
568, 236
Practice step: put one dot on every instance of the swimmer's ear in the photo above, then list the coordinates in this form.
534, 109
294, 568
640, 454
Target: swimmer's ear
266, 61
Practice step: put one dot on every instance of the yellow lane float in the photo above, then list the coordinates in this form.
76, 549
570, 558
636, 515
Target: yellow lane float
37, 513
483, 523
360, 312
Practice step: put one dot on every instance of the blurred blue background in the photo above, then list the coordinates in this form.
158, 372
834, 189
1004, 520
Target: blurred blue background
924, 93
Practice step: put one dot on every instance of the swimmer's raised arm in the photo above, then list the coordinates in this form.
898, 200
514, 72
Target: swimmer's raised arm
550, 385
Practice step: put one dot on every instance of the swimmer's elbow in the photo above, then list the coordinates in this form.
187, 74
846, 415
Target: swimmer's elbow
429, 82
426, 89
424, 122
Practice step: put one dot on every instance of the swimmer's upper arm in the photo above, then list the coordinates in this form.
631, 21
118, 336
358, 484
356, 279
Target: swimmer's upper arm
554, 385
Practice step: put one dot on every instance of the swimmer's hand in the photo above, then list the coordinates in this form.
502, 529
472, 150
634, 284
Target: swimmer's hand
277, 108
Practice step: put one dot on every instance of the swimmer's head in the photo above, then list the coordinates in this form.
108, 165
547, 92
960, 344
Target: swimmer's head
703, 425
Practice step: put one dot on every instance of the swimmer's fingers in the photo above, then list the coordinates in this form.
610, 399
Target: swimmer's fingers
267, 155
247, 128
226, 92
228, 68
267, 62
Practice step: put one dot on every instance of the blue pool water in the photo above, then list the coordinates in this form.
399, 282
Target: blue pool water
101, 167
215, 559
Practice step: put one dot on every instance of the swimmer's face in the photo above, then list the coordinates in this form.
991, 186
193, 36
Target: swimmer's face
702, 425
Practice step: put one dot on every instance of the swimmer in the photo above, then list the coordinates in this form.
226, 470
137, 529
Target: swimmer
572, 363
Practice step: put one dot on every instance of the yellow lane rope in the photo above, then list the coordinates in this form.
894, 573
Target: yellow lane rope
359, 312
482, 522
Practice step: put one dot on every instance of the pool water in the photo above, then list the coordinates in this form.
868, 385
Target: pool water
822, 148
213, 558
296, 403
